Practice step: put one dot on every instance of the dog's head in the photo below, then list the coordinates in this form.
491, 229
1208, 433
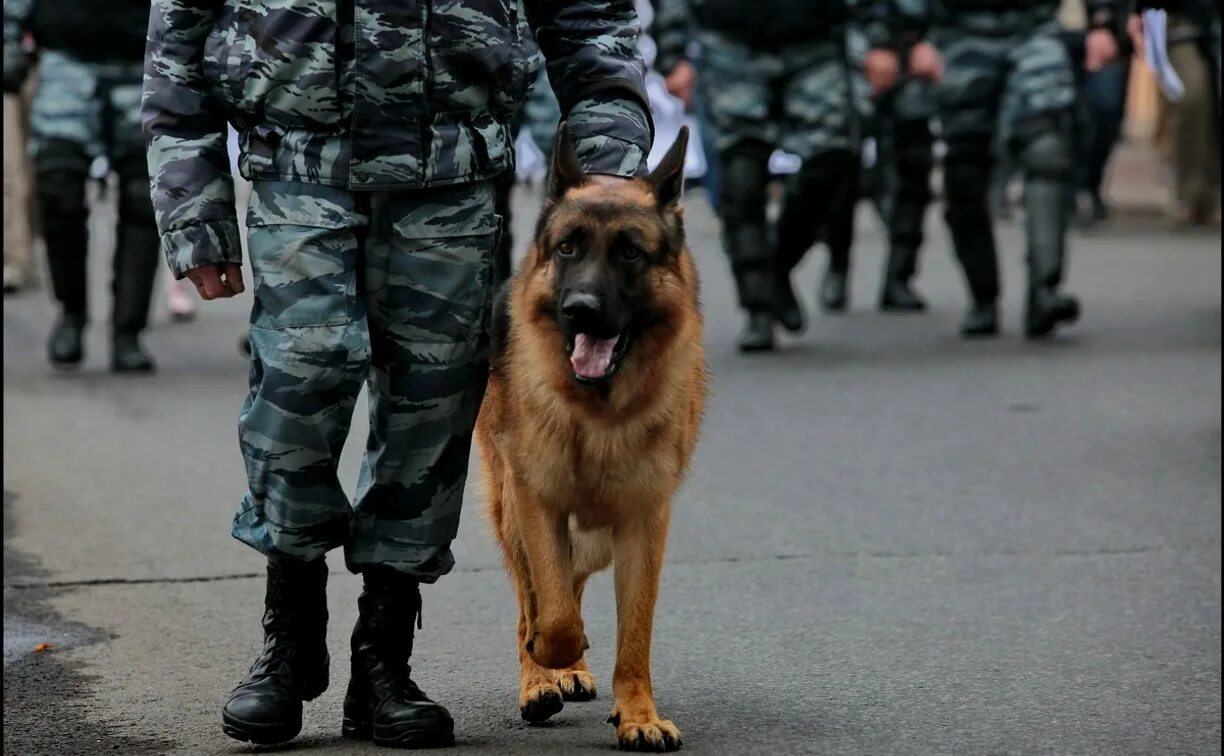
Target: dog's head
607, 264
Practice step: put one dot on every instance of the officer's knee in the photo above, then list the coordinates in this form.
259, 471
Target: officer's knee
1043, 146
61, 169
742, 185
914, 155
135, 199
967, 170
135, 202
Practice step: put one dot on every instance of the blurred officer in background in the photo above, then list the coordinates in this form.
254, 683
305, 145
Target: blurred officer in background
774, 74
1006, 55
904, 154
18, 190
87, 105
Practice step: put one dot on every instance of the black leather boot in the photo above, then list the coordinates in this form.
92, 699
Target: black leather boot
127, 355
833, 296
65, 348
137, 260
758, 332
897, 296
266, 707
1046, 310
912, 193
981, 321
1045, 188
789, 310
383, 702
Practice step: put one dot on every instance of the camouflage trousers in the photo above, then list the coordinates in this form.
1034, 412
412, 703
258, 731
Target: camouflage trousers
993, 81
1007, 78
387, 289
904, 159
800, 98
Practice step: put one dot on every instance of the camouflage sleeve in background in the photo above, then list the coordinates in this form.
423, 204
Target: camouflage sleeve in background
890, 23
16, 61
599, 79
672, 32
189, 167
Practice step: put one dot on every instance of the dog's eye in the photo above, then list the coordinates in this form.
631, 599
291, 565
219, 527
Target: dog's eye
630, 252
566, 249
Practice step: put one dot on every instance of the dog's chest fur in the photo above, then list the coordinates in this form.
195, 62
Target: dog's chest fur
599, 473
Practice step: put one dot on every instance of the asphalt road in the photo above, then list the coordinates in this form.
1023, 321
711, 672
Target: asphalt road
892, 541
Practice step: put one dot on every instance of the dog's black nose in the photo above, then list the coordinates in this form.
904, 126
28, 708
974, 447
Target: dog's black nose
580, 306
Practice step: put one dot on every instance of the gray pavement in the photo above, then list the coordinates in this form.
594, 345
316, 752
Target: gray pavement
892, 541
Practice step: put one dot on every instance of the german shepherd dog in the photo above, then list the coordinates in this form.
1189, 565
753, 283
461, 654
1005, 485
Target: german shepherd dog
588, 423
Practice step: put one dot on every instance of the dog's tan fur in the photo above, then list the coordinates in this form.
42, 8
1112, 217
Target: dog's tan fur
579, 478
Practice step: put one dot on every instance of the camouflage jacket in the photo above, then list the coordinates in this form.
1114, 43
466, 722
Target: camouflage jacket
371, 95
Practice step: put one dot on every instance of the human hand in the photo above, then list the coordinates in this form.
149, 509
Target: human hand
682, 82
218, 281
925, 62
880, 66
1134, 29
1100, 49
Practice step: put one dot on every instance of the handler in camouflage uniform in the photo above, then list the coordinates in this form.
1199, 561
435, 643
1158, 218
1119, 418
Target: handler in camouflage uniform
774, 74
372, 130
996, 53
87, 105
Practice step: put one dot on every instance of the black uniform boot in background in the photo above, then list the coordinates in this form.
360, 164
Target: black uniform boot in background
61, 169
383, 702
966, 184
745, 176
266, 707
137, 260
1047, 158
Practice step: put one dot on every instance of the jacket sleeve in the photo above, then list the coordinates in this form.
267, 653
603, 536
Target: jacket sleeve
672, 32
890, 23
185, 130
599, 79
16, 59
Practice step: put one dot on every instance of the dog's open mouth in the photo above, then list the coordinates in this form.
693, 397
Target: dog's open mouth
595, 359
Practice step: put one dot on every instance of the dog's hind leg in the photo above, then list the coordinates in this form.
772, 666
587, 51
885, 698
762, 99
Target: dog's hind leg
638, 545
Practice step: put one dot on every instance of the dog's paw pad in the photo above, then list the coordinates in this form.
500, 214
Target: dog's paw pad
576, 685
540, 703
656, 735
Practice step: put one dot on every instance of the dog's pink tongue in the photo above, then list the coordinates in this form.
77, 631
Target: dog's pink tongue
591, 356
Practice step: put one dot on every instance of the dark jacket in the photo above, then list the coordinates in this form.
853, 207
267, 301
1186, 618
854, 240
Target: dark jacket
98, 31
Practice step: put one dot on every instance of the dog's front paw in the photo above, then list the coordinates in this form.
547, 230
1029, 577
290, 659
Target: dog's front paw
576, 685
646, 735
539, 702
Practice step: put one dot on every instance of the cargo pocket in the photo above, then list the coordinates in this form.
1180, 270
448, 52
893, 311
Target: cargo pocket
439, 273
303, 255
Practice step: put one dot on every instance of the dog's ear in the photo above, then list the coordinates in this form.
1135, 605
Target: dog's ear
667, 179
566, 172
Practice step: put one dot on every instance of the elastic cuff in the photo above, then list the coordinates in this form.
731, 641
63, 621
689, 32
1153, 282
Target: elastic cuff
207, 243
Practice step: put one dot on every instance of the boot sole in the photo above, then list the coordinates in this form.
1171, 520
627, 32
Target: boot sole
902, 309
404, 736
1047, 325
258, 733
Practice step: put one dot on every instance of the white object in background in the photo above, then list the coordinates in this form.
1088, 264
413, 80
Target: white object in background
1156, 53
782, 163
232, 147
529, 164
669, 116
868, 155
